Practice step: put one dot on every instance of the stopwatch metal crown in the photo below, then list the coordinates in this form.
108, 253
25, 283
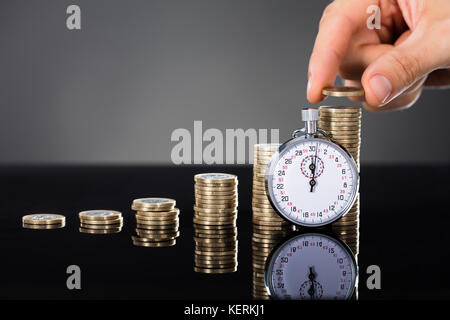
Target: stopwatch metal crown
310, 116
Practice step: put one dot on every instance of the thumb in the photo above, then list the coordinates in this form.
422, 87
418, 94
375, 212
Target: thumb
397, 69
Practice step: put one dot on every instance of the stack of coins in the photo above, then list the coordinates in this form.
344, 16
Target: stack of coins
157, 222
43, 221
268, 227
343, 125
100, 221
347, 227
215, 223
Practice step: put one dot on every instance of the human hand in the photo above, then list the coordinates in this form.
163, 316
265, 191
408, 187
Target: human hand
394, 63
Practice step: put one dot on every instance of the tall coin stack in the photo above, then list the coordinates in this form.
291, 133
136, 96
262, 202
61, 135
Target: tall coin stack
343, 125
215, 214
157, 222
268, 227
43, 221
100, 221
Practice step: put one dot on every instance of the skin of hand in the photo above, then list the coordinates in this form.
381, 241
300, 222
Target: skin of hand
393, 64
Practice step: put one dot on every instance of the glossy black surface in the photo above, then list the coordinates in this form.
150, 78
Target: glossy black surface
404, 230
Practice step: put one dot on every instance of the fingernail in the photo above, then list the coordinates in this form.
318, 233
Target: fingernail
381, 87
308, 87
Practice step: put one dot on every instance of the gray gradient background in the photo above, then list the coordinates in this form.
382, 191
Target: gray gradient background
114, 91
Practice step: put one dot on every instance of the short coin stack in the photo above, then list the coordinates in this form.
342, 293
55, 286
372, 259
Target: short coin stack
100, 221
157, 222
43, 221
343, 125
215, 223
268, 226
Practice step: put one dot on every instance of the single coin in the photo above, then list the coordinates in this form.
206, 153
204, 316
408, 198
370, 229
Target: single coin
217, 253
212, 270
153, 204
157, 222
155, 244
168, 227
44, 218
99, 215
101, 227
155, 238
157, 218
43, 226
215, 177
101, 222
157, 233
154, 214
340, 110
214, 240
100, 231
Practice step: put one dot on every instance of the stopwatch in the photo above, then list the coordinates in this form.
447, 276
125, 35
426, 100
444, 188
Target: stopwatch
311, 266
311, 181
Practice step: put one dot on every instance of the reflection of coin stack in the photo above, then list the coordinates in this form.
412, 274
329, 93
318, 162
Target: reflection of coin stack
157, 222
100, 221
43, 221
268, 226
215, 223
343, 125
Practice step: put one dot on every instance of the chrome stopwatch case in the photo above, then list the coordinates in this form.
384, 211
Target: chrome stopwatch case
311, 181
311, 266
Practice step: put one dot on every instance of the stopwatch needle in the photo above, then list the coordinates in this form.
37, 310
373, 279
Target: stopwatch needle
312, 277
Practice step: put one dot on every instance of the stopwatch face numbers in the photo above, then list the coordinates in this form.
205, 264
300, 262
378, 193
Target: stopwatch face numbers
311, 266
312, 182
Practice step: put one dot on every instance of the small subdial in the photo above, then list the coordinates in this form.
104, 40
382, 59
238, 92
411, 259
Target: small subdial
311, 290
310, 164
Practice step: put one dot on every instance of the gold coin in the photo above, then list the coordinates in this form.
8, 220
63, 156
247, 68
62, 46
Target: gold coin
153, 204
218, 232
43, 226
101, 227
215, 219
343, 91
339, 110
215, 270
215, 197
154, 214
101, 222
156, 219
158, 222
214, 241
172, 227
100, 231
231, 222
99, 215
330, 119
214, 227
215, 177
154, 239
212, 254
157, 233
215, 210
155, 244
220, 194
44, 218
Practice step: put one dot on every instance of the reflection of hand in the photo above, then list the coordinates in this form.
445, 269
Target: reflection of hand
394, 63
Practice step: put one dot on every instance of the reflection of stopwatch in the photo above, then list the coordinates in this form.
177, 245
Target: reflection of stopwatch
312, 181
311, 266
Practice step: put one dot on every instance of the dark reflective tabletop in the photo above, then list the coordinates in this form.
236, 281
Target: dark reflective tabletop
403, 230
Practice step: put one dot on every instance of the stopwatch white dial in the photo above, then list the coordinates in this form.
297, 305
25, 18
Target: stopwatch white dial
311, 266
312, 181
